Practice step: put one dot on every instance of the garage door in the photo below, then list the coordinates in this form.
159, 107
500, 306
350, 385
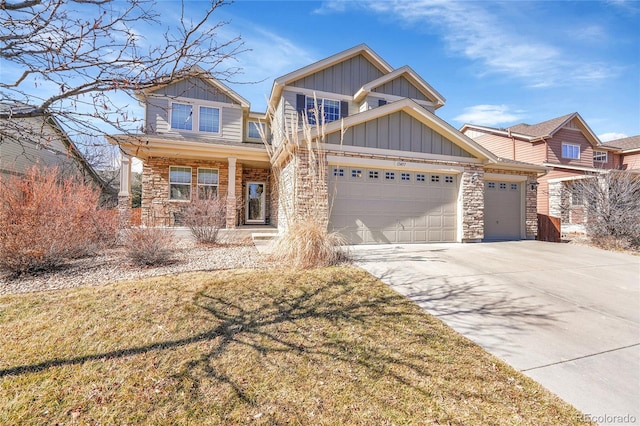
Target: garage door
503, 217
393, 206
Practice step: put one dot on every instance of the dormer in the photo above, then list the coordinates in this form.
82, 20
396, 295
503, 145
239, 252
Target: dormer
196, 106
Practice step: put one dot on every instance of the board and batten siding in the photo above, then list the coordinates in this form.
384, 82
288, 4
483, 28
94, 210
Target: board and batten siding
401, 87
398, 131
344, 78
574, 137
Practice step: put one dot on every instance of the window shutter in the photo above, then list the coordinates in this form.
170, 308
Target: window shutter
382, 102
344, 109
301, 104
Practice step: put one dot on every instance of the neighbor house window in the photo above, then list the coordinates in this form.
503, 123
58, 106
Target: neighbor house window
600, 156
570, 151
254, 129
179, 183
181, 116
577, 198
207, 183
330, 108
209, 120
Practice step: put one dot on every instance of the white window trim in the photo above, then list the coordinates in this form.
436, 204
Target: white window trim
180, 183
196, 104
598, 152
198, 184
571, 145
260, 124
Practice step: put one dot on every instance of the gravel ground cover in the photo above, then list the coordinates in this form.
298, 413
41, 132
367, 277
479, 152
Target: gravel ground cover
112, 265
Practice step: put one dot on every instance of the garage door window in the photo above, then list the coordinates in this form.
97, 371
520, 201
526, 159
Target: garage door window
448, 179
503, 185
435, 178
491, 185
514, 186
389, 175
338, 172
420, 177
355, 173
405, 176
373, 174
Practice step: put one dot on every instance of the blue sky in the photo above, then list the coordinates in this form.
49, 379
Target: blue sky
496, 63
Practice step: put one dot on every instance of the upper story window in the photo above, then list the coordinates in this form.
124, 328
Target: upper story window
209, 120
181, 116
571, 151
255, 128
187, 117
600, 156
330, 108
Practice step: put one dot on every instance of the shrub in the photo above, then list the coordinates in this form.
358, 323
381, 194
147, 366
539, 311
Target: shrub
205, 218
149, 246
307, 244
46, 219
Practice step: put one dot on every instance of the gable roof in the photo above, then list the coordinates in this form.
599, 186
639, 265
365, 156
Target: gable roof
410, 75
197, 72
361, 49
632, 143
539, 131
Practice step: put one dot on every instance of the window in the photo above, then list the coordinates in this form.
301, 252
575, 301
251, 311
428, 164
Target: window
389, 175
338, 172
330, 109
435, 178
576, 196
254, 129
373, 174
355, 173
207, 184
448, 179
503, 185
600, 156
209, 120
405, 176
179, 183
571, 151
514, 186
181, 116
491, 185
420, 177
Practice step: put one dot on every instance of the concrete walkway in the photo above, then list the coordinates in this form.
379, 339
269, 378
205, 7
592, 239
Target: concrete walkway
566, 315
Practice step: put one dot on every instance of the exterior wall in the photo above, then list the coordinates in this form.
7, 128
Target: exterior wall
499, 145
511, 149
157, 209
194, 88
344, 78
398, 131
631, 161
574, 137
401, 87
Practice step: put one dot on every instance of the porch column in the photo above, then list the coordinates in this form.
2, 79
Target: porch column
124, 196
232, 219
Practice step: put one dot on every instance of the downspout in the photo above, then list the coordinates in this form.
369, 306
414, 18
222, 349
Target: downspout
513, 145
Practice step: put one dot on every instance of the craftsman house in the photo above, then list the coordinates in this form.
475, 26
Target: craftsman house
568, 148
395, 171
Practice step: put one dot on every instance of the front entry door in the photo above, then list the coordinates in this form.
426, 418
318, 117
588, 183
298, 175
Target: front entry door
255, 202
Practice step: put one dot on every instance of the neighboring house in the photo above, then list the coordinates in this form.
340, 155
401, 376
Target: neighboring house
568, 147
629, 151
398, 173
25, 142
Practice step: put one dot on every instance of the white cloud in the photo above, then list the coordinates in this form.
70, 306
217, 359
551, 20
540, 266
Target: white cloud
611, 136
473, 30
488, 115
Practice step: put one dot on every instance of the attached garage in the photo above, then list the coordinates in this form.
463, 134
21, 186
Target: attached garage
503, 210
372, 205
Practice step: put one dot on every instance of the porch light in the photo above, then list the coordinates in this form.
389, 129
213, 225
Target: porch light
534, 185
474, 177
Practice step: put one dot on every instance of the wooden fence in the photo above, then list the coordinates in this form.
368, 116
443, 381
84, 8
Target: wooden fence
549, 228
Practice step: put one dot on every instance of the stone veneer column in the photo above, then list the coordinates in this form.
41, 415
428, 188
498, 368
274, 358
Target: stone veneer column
232, 219
124, 196
472, 204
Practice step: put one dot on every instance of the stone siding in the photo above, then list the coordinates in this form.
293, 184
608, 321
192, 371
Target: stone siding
472, 203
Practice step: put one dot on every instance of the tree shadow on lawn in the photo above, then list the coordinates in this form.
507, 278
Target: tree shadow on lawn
346, 328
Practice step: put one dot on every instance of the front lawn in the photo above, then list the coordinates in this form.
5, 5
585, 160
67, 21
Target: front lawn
330, 346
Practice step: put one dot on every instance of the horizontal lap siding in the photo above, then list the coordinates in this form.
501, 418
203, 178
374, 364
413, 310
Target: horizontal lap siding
573, 137
543, 188
631, 161
498, 145
195, 88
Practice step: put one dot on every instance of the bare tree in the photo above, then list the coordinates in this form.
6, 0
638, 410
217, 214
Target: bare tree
71, 59
611, 203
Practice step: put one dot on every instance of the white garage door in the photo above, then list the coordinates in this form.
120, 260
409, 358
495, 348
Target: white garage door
503, 219
392, 206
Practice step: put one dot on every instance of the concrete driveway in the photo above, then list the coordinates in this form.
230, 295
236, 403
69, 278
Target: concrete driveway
566, 315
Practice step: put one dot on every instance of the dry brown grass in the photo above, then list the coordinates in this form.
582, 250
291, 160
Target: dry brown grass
328, 346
